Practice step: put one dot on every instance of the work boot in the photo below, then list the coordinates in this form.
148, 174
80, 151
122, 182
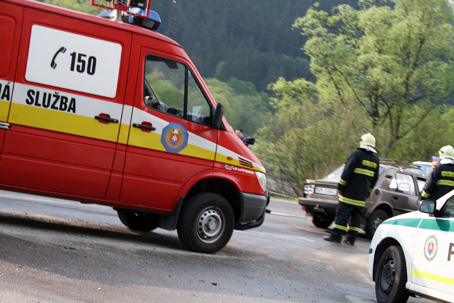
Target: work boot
350, 238
349, 242
331, 238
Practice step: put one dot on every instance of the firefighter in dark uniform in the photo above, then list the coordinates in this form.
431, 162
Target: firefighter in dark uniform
355, 185
441, 180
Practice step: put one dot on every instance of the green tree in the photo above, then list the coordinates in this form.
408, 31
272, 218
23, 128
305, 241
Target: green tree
244, 107
384, 59
306, 137
428, 136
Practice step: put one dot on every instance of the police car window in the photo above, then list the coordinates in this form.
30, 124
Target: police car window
403, 183
170, 87
448, 210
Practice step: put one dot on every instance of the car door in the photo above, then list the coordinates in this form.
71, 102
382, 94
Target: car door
66, 105
403, 193
10, 22
171, 139
433, 252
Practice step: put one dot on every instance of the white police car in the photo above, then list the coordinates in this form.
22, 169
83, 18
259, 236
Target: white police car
413, 254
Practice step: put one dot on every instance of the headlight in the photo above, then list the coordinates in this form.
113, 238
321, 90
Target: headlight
261, 177
309, 189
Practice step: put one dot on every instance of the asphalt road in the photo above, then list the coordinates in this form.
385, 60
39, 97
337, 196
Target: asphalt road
54, 250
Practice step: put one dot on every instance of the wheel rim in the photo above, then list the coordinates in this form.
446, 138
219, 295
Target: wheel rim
210, 224
378, 221
388, 276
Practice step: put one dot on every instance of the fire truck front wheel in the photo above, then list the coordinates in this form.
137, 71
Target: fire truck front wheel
206, 223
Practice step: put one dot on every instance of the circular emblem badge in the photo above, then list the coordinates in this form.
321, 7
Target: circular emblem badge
174, 138
430, 248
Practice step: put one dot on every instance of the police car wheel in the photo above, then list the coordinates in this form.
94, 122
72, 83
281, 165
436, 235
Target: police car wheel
137, 220
391, 276
206, 223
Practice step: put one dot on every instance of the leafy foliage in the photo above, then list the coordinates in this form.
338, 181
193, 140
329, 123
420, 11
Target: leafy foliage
380, 68
383, 58
245, 108
306, 137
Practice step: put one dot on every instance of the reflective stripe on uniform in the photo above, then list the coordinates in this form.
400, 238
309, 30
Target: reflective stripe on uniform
340, 227
342, 182
352, 228
425, 195
445, 182
365, 172
352, 201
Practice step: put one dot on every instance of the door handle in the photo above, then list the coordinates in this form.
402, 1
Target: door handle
143, 126
104, 118
4, 125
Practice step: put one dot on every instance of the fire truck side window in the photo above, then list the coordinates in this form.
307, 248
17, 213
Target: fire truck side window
170, 87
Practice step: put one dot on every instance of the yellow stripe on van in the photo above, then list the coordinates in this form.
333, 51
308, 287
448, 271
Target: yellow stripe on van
433, 277
4, 109
198, 152
124, 134
153, 141
63, 122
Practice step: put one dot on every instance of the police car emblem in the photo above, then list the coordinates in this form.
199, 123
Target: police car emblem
174, 138
430, 248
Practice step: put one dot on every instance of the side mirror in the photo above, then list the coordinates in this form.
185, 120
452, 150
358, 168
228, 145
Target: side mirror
250, 141
427, 206
217, 118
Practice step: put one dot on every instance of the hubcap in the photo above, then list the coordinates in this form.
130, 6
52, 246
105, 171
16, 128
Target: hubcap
210, 225
388, 276
378, 221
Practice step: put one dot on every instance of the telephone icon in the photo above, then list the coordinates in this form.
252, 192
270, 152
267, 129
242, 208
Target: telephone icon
53, 64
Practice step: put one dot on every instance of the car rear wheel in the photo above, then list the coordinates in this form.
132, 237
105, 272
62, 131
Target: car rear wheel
206, 223
377, 217
322, 220
137, 220
391, 276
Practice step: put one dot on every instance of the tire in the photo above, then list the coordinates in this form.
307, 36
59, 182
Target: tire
391, 277
138, 221
322, 220
377, 217
206, 223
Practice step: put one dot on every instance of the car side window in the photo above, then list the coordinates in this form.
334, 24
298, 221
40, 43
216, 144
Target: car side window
170, 87
403, 183
421, 184
448, 209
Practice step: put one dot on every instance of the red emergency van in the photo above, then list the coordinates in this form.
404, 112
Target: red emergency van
106, 112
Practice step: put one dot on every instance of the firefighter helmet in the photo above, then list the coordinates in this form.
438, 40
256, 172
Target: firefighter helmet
446, 152
367, 139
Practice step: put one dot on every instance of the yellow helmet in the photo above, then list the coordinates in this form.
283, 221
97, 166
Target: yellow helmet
446, 152
367, 139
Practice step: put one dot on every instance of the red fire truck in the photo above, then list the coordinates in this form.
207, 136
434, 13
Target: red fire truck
110, 112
